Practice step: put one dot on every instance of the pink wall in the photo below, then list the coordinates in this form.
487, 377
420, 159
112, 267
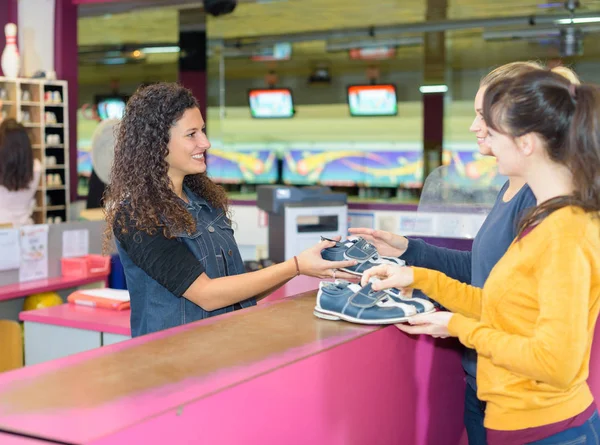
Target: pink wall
66, 67
8, 14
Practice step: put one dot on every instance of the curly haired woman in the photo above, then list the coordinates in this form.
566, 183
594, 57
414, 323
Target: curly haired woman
171, 223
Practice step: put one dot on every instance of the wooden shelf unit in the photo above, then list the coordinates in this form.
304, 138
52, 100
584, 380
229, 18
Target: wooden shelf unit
27, 101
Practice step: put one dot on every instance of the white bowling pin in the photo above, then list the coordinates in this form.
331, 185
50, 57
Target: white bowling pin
11, 61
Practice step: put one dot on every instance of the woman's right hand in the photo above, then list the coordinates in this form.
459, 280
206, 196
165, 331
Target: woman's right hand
388, 276
386, 243
311, 263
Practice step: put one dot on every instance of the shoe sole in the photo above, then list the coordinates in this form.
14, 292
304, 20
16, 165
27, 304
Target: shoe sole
334, 316
353, 272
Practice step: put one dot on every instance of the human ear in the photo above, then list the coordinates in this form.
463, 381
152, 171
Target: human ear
527, 143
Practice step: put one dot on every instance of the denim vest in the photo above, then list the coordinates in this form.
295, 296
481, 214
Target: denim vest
153, 307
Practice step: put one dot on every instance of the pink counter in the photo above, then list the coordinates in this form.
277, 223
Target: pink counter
117, 322
19, 290
81, 317
273, 373
11, 439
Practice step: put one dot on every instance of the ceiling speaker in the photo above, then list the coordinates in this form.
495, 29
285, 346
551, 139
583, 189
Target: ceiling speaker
571, 42
219, 7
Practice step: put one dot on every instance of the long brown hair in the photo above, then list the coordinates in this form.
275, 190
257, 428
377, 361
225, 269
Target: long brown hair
16, 156
140, 189
567, 117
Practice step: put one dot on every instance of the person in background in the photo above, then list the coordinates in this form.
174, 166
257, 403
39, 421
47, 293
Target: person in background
533, 322
496, 234
19, 175
172, 224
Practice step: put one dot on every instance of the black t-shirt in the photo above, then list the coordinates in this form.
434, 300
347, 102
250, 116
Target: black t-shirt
167, 261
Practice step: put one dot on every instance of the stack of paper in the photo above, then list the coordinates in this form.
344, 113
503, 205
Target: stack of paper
103, 298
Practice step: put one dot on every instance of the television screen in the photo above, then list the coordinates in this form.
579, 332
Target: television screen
372, 100
279, 51
275, 103
110, 107
375, 53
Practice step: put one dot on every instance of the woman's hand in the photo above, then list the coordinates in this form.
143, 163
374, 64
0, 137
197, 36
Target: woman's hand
434, 324
386, 243
389, 276
312, 264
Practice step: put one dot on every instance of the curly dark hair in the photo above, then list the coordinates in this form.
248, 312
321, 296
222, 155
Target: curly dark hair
16, 156
140, 189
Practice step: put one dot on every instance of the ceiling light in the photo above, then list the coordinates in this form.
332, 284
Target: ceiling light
577, 21
427, 89
160, 49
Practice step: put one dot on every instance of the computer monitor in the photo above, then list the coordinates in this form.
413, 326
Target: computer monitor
373, 53
279, 51
372, 100
111, 107
271, 103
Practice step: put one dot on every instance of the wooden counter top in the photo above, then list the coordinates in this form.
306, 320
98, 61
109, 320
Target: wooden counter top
93, 394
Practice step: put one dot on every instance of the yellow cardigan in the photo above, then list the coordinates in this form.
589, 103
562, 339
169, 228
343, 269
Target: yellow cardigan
533, 322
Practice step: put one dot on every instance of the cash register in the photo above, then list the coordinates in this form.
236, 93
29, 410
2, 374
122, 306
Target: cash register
298, 217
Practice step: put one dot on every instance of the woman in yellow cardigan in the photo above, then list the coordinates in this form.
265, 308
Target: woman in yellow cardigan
533, 322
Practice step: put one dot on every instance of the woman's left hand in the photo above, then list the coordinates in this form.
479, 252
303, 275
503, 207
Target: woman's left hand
434, 324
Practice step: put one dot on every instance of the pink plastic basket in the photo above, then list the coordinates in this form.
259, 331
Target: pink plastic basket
85, 266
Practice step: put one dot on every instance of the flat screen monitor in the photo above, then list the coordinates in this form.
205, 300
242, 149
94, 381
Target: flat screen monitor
271, 103
111, 107
375, 53
372, 100
279, 51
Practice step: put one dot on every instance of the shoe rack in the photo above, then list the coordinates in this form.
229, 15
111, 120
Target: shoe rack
41, 106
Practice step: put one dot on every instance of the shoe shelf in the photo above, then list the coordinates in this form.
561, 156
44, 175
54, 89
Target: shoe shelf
41, 106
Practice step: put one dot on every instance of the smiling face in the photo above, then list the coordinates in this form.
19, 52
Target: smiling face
187, 146
478, 126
